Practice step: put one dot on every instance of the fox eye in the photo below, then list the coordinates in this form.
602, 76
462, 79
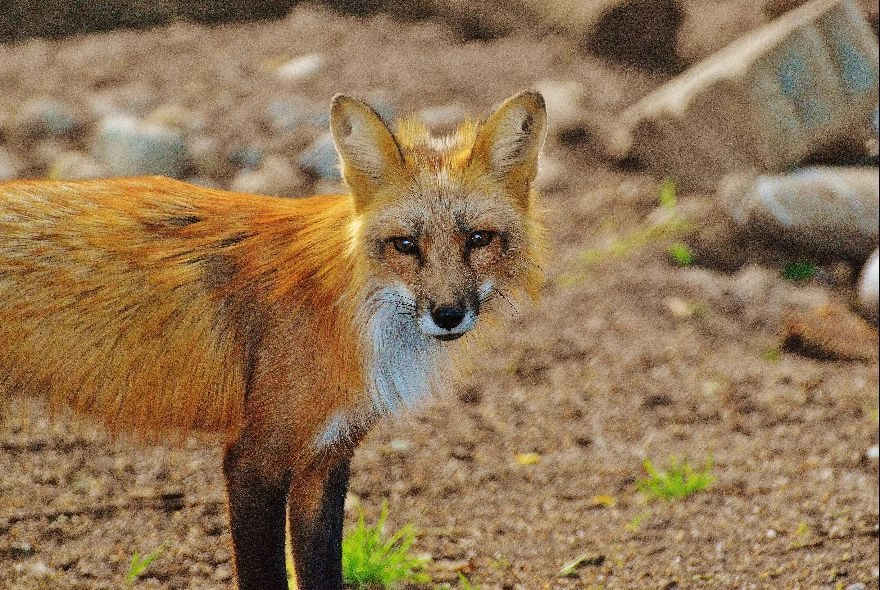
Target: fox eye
405, 245
480, 239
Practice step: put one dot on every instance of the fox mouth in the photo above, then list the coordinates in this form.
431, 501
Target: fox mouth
449, 337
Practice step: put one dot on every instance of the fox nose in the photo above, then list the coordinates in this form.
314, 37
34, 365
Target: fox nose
447, 317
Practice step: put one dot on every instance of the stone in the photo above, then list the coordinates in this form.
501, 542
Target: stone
822, 210
131, 147
276, 176
74, 165
321, 159
177, 117
868, 287
44, 117
10, 166
829, 332
300, 68
766, 101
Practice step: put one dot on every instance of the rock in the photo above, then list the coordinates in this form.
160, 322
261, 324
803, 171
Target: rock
285, 115
829, 332
868, 287
321, 159
248, 156
300, 68
72, 165
207, 159
856, 586
130, 147
552, 175
176, 116
44, 117
821, 210
443, 118
566, 102
766, 101
10, 166
276, 176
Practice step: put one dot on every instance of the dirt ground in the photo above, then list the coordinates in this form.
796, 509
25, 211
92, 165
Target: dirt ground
637, 358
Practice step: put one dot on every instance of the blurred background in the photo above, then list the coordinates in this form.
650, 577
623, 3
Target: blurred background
710, 181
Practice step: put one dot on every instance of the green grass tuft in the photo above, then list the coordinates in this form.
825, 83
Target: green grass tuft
681, 254
139, 564
668, 194
370, 558
799, 271
678, 480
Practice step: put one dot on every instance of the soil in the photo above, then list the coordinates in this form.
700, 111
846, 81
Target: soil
633, 358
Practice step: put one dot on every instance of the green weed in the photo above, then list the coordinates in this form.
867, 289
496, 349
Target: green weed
139, 564
670, 227
369, 557
681, 254
668, 194
799, 271
678, 480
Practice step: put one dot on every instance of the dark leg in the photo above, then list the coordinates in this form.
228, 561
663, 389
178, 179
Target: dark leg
256, 515
316, 525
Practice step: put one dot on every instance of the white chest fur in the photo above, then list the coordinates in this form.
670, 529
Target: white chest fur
401, 368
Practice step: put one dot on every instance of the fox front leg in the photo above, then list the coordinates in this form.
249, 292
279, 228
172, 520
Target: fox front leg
316, 509
257, 521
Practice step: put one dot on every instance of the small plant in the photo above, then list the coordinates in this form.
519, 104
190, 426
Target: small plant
678, 480
668, 196
369, 558
657, 232
681, 254
466, 584
139, 564
635, 523
799, 271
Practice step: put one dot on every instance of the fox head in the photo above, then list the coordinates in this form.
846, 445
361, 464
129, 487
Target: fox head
449, 224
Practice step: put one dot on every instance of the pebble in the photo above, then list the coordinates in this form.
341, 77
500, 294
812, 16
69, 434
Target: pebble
176, 116
321, 159
9, 165
44, 117
276, 176
206, 157
300, 68
285, 115
868, 286
443, 118
565, 100
551, 175
130, 147
829, 331
856, 586
873, 453
72, 165
247, 156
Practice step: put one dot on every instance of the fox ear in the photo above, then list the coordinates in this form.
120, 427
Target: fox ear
510, 139
369, 153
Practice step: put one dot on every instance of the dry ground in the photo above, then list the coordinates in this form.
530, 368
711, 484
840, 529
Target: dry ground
605, 372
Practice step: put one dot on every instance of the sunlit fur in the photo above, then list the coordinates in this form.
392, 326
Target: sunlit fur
159, 306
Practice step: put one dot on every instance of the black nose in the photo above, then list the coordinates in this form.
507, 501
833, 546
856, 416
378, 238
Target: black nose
447, 317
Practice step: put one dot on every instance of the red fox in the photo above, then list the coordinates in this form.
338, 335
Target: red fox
289, 325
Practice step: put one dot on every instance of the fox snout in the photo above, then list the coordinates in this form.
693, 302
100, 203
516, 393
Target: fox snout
449, 322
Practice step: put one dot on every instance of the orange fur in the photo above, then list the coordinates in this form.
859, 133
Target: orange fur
138, 300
